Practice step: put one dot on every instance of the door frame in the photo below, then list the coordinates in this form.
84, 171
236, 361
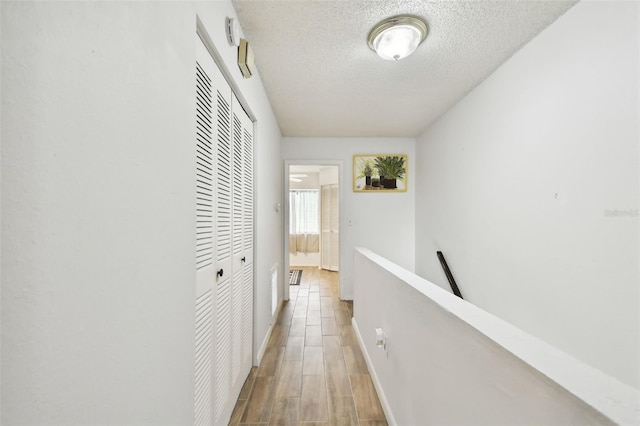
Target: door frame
285, 198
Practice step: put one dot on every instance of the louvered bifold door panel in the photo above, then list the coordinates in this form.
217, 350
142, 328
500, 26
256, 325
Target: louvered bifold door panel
223, 180
222, 382
203, 379
247, 316
236, 329
224, 247
223, 395
239, 258
247, 239
205, 239
247, 178
204, 170
237, 184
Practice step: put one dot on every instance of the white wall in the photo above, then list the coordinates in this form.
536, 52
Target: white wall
464, 366
516, 183
329, 175
98, 217
381, 222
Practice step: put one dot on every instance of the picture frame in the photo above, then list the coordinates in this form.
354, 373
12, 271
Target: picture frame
369, 173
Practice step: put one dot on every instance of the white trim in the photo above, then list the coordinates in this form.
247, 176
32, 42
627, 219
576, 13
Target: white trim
265, 341
391, 420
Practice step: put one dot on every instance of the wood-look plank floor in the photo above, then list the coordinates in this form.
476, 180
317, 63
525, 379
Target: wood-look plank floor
313, 371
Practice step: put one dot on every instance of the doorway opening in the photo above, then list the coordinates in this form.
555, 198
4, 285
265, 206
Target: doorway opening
312, 221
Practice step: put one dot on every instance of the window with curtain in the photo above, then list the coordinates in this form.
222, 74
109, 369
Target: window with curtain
304, 221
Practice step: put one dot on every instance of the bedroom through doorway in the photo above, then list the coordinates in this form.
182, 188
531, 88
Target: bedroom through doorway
313, 225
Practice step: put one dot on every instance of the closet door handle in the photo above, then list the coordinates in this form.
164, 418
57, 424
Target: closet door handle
244, 259
220, 273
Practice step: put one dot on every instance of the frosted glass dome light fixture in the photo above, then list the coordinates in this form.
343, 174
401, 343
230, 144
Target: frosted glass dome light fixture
397, 37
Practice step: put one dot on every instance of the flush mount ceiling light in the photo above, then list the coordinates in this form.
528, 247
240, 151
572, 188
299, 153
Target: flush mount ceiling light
297, 177
397, 37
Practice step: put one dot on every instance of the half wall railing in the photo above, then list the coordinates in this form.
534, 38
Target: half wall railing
436, 359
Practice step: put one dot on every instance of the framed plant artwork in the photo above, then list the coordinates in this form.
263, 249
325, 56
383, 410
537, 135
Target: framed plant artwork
380, 173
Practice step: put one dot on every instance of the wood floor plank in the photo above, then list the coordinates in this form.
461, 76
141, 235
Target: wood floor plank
285, 412
297, 326
238, 411
342, 318
342, 411
313, 360
365, 398
314, 305
329, 326
313, 318
327, 313
300, 312
313, 404
279, 335
270, 365
332, 347
295, 348
248, 384
259, 404
355, 360
325, 292
347, 336
326, 302
290, 380
313, 336
348, 306
302, 302
285, 315
373, 423
313, 371
326, 307
337, 378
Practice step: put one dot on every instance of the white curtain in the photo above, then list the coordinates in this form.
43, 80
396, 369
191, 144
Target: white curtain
304, 221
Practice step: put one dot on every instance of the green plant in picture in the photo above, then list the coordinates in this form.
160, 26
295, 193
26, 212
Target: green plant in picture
392, 168
365, 170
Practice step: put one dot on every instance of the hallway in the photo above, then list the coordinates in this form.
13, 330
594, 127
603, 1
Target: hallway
313, 371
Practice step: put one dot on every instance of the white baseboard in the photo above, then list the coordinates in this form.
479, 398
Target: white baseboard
265, 341
374, 377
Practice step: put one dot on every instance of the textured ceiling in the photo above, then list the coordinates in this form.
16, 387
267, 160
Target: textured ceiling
323, 80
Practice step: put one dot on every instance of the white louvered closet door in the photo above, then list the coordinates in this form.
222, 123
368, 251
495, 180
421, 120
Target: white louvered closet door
238, 252
224, 257
205, 238
224, 244
242, 242
246, 283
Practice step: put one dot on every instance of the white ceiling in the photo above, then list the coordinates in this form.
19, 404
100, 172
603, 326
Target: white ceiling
323, 80
304, 168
